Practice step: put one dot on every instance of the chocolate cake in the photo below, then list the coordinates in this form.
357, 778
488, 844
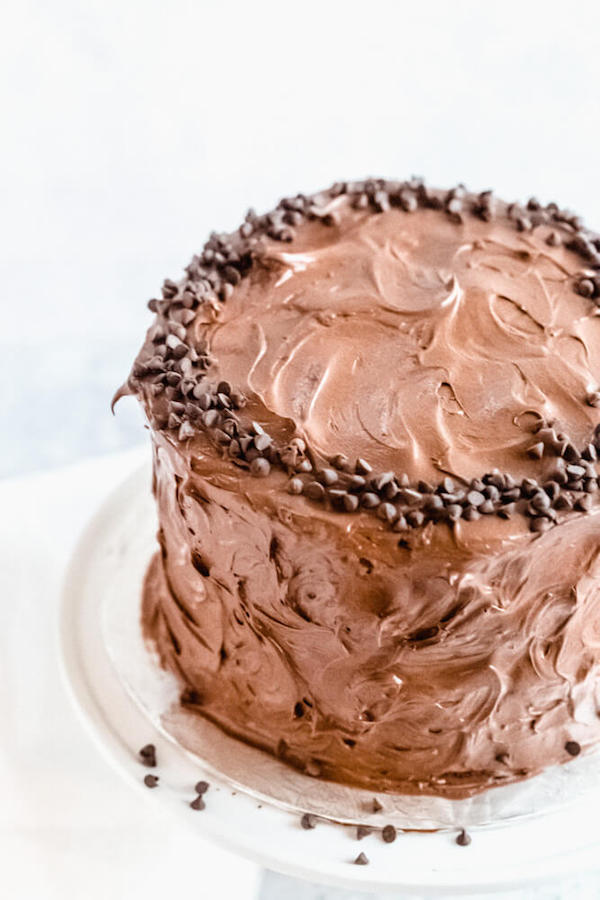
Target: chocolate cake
375, 417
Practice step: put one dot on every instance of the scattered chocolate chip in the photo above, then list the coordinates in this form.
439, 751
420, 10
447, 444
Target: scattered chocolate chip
328, 476
377, 807
369, 500
151, 781
198, 803
260, 467
314, 490
573, 748
540, 524
361, 860
387, 512
585, 287
295, 486
389, 834
475, 498
463, 839
454, 511
540, 502
537, 451
362, 831
592, 398
202, 787
148, 755
308, 821
262, 441
350, 502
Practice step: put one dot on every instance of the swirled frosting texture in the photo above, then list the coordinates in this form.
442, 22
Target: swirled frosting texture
446, 660
414, 342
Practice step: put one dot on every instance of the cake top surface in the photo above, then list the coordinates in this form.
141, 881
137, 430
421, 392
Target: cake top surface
427, 334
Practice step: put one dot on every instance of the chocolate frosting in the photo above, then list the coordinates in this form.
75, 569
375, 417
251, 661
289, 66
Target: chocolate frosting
418, 344
448, 659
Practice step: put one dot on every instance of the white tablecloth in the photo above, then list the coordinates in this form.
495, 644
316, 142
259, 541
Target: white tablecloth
69, 827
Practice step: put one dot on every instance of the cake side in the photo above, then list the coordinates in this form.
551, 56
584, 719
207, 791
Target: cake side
445, 666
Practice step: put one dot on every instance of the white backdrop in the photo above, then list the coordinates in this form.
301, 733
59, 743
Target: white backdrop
131, 128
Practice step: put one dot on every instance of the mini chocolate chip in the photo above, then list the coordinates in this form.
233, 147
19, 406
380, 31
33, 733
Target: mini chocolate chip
361, 860
400, 524
572, 748
362, 831
569, 452
540, 524
151, 781
387, 511
585, 287
356, 482
492, 492
262, 441
529, 487
308, 821
563, 501
583, 504
505, 512
540, 501
148, 755
389, 834
202, 787
260, 467
314, 491
463, 839
186, 431
376, 805
198, 803
552, 488
471, 514
369, 500
407, 495
593, 398
415, 518
295, 486
350, 502
454, 512
475, 498
362, 467
536, 451
576, 471
328, 476
210, 418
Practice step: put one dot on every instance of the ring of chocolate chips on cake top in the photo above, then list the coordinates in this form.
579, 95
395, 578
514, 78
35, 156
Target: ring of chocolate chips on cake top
177, 371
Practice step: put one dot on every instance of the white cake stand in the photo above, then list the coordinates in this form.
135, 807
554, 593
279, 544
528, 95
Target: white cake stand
512, 854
